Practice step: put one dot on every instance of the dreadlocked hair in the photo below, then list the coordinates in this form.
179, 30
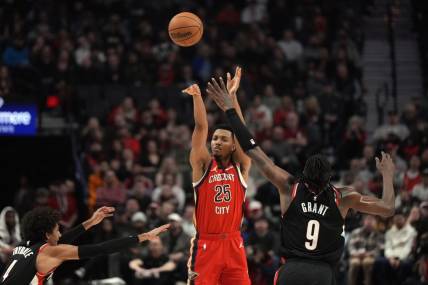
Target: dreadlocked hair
317, 172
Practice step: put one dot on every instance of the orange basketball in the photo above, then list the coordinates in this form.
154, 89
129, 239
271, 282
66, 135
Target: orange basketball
185, 29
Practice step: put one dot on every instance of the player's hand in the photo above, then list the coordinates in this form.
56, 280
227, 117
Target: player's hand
99, 215
192, 90
385, 165
220, 95
153, 234
233, 83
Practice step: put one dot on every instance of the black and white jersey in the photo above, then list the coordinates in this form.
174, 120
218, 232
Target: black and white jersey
22, 267
313, 227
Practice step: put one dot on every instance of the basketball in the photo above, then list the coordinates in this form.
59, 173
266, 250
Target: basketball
185, 29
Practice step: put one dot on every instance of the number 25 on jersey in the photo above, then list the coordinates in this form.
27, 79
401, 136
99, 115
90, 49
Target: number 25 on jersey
222, 193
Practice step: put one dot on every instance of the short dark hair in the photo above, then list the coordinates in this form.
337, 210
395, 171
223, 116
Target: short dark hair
317, 171
38, 222
223, 127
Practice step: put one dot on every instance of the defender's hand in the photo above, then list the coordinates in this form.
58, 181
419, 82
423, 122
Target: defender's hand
385, 165
220, 95
233, 83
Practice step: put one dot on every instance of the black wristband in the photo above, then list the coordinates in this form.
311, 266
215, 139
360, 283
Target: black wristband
71, 235
242, 133
104, 248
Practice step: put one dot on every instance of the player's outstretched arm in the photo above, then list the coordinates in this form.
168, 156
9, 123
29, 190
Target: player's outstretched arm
276, 175
239, 155
71, 235
199, 155
53, 256
371, 205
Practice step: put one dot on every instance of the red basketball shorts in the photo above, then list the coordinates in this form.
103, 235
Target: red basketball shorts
218, 259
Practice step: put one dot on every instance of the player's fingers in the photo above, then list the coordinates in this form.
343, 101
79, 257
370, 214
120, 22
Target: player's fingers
228, 77
210, 88
215, 84
223, 86
377, 161
238, 72
211, 94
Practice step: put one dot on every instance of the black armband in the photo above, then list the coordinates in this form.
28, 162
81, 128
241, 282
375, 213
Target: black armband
104, 248
242, 133
71, 235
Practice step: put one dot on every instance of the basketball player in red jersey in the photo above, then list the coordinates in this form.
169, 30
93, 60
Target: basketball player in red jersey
217, 252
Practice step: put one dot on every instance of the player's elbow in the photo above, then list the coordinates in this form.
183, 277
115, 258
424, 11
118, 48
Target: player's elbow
389, 212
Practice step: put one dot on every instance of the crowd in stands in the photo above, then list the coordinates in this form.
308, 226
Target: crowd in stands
111, 66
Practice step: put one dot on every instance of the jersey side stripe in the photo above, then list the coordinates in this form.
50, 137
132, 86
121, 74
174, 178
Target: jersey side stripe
294, 190
241, 178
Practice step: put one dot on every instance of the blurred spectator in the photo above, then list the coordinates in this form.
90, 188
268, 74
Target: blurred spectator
169, 166
153, 268
142, 191
262, 235
111, 193
10, 234
16, 54
169, 191
177, 243
412, 176
150, 159
392, 127
364, 247
41, 198
396, 265
254, 12
354, 140
291, 47
5, 83
262, 266
420, 191
63, 199
187, 224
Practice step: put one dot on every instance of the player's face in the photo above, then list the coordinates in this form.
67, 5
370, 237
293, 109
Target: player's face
53, 237
222, 144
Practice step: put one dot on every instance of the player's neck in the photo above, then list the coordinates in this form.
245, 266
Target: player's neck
222, 162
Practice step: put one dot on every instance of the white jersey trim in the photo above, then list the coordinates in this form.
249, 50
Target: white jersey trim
241, 178
197, 183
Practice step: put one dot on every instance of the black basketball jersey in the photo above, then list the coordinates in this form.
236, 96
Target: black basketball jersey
22, 267
313, 227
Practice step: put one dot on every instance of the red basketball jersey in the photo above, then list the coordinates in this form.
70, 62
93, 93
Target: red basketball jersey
219, 199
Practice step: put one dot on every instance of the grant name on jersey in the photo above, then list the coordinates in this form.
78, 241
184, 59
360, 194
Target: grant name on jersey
25, 251
313, 207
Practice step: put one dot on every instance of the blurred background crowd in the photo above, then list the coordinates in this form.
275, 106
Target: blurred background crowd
110, 67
